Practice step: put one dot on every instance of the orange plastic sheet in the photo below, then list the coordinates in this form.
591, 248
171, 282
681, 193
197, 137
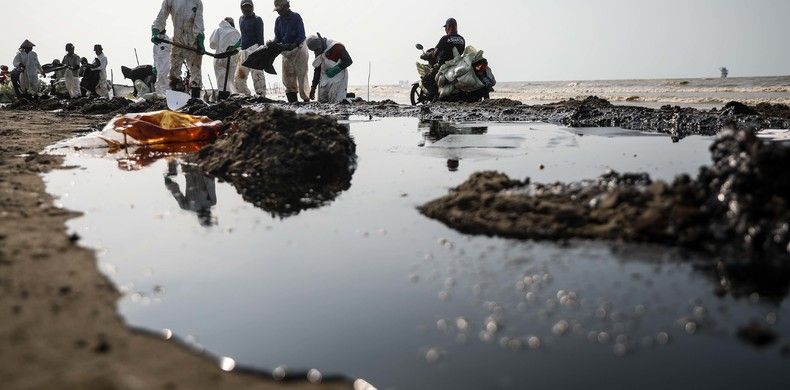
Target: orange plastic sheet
159, 127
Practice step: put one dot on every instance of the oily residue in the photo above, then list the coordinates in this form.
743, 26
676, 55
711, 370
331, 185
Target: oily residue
585, 112
737, 204
281, 161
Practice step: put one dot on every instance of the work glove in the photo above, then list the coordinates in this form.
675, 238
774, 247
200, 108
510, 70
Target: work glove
155, 36
200, 42
312, 93
333, 71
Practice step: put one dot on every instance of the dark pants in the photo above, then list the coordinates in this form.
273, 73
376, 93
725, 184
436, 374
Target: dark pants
15, 74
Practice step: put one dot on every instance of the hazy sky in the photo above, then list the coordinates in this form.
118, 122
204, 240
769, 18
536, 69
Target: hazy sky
523, 39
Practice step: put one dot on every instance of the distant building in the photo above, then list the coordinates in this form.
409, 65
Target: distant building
724, 72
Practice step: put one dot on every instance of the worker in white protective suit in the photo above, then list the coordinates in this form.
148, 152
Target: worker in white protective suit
27, 66
290, 36
162, 63
71, 75
331, 69
102, 90
224, 39
187, 18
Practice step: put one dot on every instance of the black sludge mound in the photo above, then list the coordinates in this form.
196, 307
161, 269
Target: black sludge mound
281, 161
737, 208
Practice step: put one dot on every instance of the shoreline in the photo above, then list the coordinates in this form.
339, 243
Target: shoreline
61, 325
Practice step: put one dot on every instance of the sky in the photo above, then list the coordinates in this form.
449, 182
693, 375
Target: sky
524, 40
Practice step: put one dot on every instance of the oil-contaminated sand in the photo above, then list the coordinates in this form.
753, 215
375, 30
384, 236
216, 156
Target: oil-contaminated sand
587, 112
281, 161
738, 205
591, 111
60, 326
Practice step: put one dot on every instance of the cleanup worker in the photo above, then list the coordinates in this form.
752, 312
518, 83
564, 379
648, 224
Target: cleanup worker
331, 69
251, 27
100, 66
90, 77
162, 63
187, 18
225, 38
451, 40
289, 34
5, 75
7, 93
28, 68
71, 74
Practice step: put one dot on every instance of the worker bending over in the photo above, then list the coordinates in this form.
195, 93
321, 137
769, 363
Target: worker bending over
331, 69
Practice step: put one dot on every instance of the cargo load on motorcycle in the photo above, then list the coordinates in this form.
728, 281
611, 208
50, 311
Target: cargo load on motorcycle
465, 78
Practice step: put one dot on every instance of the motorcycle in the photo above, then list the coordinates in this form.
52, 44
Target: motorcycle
478, 79
420, 92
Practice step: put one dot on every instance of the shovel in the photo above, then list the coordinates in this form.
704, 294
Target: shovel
226, 54
224, 94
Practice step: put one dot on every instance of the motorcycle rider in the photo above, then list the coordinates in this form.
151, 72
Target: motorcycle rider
443, 52
451, 40
331, 69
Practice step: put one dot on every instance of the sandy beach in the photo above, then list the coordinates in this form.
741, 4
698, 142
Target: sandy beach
61, 327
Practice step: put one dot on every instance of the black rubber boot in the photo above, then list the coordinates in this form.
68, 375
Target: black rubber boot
195, 93
293, 97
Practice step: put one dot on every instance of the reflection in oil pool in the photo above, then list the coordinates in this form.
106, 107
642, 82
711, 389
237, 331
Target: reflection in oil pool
365, 286
200, 195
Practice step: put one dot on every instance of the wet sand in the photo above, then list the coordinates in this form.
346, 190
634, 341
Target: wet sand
60, 325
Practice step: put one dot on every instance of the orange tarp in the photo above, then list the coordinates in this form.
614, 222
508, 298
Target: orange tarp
161, 127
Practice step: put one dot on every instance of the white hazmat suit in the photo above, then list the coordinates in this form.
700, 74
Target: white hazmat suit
162, 64
28, 80
187, 18
331, 89
224, 37
102, 90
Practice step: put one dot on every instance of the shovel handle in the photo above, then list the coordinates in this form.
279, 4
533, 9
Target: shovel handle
226, 54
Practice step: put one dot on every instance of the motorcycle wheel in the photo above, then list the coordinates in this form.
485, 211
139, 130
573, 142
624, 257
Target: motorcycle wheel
415, 94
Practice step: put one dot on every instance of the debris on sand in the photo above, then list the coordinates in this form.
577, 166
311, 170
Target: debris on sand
281, 161
737, 209
504, 102
105, 106
218, 111
585, 112
89, 106
740, 203
676, 121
